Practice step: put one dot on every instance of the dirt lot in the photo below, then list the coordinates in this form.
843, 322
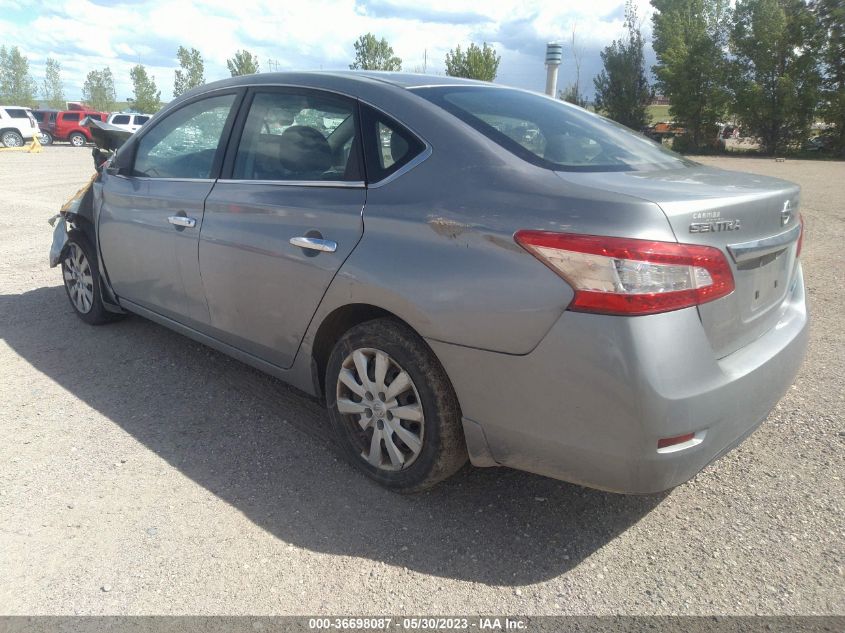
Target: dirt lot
143, 473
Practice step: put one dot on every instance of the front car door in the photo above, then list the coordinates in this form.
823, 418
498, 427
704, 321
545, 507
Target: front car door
151, 216
281, 220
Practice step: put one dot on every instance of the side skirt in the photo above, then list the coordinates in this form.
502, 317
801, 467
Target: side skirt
299, 379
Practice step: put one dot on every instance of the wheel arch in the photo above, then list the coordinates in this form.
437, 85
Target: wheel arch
334, 325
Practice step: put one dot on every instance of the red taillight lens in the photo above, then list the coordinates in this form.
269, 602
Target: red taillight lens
800, 236
612, 275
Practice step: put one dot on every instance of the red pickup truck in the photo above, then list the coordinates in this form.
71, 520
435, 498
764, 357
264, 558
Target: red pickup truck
65, 126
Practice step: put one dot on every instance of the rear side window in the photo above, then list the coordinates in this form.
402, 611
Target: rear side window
140, 120
388, 145
121, 119
70, 116
298, 135
16, 113
185, 143
551, 133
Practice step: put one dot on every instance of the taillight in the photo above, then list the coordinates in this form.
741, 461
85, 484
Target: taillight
612, 275
800, 235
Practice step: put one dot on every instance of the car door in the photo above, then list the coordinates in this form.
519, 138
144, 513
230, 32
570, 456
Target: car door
282, 220
150, 218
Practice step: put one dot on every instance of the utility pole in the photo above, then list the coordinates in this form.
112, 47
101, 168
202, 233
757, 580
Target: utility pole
554, 55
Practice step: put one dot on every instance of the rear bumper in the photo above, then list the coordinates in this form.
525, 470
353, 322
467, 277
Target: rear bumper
589, 404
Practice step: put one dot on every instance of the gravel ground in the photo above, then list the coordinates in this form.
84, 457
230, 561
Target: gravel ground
143, 473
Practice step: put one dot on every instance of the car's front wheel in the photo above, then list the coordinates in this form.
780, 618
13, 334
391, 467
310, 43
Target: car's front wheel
82, 280
393, 408
45, 138
11, 138
77, 140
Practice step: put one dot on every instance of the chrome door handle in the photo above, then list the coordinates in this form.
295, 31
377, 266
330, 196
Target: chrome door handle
314, 244
181, 220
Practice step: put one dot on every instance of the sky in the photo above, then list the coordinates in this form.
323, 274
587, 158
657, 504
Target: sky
306, 35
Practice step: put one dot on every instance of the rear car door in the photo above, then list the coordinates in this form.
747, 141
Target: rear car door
283, 217
150, 218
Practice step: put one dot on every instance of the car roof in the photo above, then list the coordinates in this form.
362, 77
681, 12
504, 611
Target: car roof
328, 77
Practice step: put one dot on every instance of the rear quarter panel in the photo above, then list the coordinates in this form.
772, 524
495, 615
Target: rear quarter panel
438, 248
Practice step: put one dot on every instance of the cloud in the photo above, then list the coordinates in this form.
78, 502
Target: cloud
91, 34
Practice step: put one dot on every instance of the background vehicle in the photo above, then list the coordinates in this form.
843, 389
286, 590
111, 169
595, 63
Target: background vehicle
128, 120
17, 125
458, 269
44, 117
67, 126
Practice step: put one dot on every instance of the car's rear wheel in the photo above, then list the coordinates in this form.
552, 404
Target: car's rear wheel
393, 408
82, 280
45, 138
11, 138
77, 140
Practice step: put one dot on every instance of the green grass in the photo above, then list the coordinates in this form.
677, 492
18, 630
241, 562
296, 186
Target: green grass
659, 113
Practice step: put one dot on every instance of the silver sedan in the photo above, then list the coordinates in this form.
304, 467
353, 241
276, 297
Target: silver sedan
461, 271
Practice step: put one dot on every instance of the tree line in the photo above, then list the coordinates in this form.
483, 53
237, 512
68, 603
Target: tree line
17, 87
773, 66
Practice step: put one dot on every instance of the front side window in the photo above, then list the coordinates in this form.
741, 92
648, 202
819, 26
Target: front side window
140, 120
70, 116
298, 136
551, 133
185, 143
120, 119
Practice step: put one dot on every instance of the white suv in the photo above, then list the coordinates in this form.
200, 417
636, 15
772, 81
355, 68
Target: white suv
17, 125
128, 121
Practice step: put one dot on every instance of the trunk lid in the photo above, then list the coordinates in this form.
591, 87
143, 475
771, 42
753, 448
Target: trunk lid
752, 219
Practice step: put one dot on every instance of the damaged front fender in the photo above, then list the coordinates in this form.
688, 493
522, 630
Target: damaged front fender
80, 205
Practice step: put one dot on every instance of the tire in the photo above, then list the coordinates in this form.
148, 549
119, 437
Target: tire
11, 138
45, 138
77, 139
411, 453
82, 280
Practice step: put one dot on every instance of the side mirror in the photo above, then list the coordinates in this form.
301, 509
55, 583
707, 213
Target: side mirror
120, 163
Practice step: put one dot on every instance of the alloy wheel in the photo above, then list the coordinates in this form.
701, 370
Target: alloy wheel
78, 279
12, 139
381, 405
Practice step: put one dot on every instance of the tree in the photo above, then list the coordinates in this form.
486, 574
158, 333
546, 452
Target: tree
98, 90
147, 97
831, 15
52, 88
474, 63
690, 40
192, 71
243, 63
776, 76
373, 54
571, 94
17, 87
622, 90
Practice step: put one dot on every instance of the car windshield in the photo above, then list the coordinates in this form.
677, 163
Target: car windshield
551, 133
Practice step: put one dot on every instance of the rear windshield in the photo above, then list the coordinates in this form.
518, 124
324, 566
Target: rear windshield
551, 133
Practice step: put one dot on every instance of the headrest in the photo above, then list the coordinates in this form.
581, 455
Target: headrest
304, 149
